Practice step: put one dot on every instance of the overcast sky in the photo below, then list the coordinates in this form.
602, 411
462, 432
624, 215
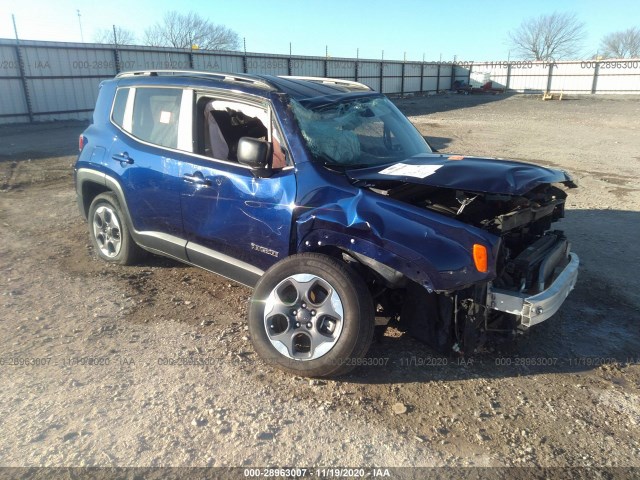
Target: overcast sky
471, 30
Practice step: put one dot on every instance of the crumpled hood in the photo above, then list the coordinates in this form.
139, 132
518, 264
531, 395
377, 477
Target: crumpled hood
475, 174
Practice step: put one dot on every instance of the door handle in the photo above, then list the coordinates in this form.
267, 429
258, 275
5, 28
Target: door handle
196, 178
122, 158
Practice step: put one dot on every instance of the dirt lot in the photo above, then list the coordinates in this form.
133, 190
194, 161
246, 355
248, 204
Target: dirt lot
568, 394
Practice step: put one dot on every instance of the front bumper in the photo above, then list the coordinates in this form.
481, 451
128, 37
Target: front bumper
541, 306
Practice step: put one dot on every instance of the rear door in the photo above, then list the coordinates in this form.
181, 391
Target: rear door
147, 154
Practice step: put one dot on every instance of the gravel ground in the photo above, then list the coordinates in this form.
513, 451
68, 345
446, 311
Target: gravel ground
152, 365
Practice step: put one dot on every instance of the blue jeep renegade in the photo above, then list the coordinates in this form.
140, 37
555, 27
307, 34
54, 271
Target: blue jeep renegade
324, 198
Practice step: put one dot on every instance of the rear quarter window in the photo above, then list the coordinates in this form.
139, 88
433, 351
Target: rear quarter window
119, 106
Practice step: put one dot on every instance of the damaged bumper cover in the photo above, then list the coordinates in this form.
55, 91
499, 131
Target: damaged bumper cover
541, 306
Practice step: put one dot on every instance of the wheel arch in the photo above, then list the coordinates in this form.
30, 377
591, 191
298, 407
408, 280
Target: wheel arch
391, 266
91, 183
88, 191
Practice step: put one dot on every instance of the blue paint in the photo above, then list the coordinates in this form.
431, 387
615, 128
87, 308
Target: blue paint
307, 207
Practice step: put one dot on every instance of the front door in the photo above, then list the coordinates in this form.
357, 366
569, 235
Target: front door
236, 224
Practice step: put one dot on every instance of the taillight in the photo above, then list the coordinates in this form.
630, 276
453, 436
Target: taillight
82, 141
480, 257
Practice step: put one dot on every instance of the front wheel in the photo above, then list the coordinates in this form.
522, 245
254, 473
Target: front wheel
311, 315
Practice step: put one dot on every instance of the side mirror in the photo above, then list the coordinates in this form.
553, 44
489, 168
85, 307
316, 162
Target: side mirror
255, 153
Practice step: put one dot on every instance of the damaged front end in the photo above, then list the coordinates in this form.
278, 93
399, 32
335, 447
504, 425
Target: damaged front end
452, 247
534, 268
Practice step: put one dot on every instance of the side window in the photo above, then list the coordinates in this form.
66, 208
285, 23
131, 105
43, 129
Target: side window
156, 115
162, 116
119, 106
221, 123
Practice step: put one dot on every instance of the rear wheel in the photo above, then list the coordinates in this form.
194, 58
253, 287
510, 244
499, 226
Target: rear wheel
311, 315
109, 232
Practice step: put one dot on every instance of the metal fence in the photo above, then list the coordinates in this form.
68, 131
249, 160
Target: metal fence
43, 81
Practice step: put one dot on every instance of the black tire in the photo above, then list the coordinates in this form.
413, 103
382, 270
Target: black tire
109, 231
356, 327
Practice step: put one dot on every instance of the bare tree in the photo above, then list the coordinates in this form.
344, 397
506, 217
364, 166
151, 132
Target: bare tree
622, 44
549, 37
121, 36
185, 31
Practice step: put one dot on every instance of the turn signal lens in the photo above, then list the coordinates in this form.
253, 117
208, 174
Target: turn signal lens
81, 142
480, 257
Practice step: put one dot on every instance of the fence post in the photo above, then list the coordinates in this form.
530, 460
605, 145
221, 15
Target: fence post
402, 79
326, 67
23, 78
506, 87
438, 80
191, 62
357, 70
422, 77
116, 58
453, 75
381, 76
244, 63
550, 76
289, 67
594, 83
469, 76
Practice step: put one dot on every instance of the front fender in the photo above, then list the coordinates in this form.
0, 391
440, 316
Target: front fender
433, 250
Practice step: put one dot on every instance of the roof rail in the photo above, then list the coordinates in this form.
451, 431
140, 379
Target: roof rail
225, 77
331, 81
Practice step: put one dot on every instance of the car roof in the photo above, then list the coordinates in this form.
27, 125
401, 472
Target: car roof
302, 88
299, 88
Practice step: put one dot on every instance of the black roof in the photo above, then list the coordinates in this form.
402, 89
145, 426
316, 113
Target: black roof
314, 92
311, 91
300, 88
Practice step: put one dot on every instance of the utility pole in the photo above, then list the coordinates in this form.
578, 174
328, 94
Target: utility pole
23, 74
80, 23
15, 29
